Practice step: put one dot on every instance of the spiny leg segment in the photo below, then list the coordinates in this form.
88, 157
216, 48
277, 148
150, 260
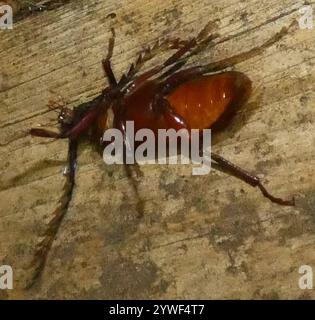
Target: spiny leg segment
43, 248
231, 61
185, 75
189, 47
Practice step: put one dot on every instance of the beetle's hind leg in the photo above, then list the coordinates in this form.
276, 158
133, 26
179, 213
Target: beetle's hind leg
247, 177
231, 61
148, 54
185, 48
171, 80
43, 248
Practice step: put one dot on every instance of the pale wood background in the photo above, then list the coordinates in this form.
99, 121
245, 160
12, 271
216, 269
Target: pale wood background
201, 237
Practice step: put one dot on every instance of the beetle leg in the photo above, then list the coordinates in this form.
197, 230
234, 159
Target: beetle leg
197, 44
150, 73
247, 177
148, 54
183, 46
84, 115
107, 63
134, 184
128, 169
169, 62
203, 39
231, 61
44, 247
185, 75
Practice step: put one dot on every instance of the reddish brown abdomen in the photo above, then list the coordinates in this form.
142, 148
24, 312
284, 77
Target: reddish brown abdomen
202, 102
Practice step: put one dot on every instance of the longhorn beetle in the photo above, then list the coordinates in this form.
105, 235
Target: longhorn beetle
166, 96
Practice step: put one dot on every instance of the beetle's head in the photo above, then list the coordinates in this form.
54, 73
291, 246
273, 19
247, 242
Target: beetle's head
65, 116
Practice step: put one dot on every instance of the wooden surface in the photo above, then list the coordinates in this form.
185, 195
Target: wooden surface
200, 237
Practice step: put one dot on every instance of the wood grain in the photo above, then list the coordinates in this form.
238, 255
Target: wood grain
201, 237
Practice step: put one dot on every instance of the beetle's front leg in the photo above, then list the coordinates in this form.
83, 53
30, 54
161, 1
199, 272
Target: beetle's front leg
82, 117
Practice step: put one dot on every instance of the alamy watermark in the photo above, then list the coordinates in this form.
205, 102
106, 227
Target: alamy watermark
6, 17
306, 280
6, 277
306, 20
148, 147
